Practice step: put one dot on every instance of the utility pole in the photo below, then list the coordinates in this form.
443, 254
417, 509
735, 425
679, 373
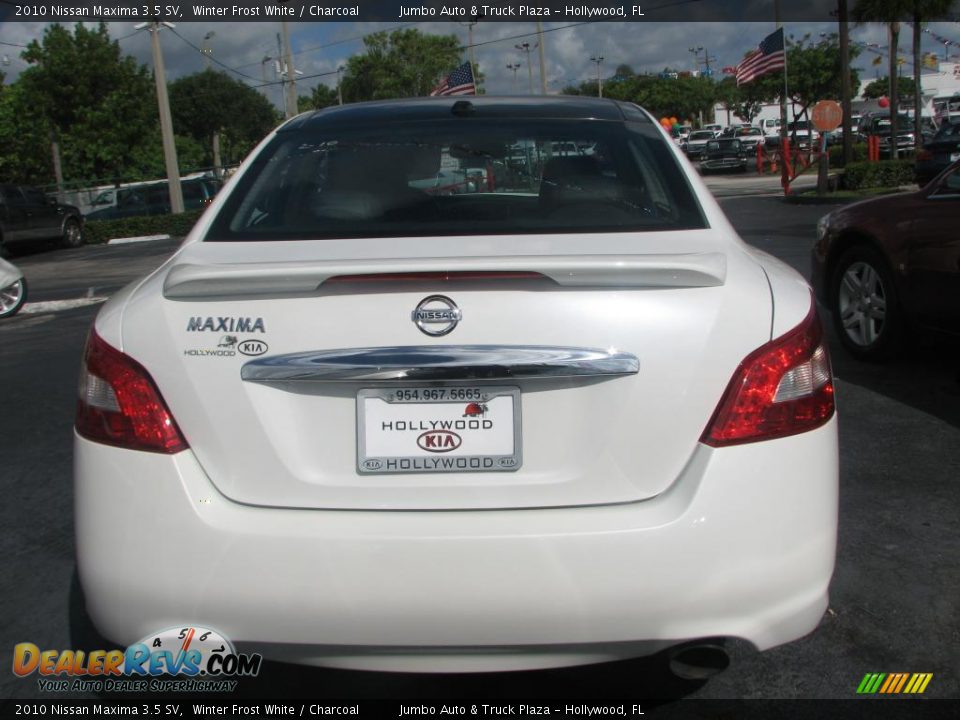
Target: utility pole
598, 59
845, 101
166, 123
543, 63
525, 47
474, 19
206, 50
291, 96
339, 86
514, 67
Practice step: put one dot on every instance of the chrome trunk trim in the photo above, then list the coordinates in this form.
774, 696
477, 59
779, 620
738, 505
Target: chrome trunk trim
415, 363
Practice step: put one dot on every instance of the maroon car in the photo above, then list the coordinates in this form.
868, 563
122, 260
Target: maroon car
886, 263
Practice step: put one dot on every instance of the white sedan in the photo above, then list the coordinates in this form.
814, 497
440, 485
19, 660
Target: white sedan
569, 418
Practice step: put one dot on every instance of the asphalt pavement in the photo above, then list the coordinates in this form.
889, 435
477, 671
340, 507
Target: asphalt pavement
894, 604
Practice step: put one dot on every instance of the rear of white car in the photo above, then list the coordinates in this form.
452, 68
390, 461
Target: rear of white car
568, 418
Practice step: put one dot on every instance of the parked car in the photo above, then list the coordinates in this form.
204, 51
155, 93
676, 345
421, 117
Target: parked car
878, 123
13, 289
715, 128
723, 154
771, 127
937, 154
750, 138
697, 143
884, 264
801, 134
27, 215
135, 201
375, 428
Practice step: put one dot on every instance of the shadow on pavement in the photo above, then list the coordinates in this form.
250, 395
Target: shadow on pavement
925, 375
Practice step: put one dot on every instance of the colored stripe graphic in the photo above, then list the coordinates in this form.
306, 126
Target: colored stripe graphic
894, 683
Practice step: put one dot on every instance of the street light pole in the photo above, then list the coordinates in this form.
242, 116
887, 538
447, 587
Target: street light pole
166, 123
514, 67
525, 47
598, 59
339, 86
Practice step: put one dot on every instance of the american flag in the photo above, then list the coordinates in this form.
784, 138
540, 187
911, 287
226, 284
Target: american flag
459, 82
769, 56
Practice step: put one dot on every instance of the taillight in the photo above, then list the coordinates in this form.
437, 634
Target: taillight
119, 404
780, 389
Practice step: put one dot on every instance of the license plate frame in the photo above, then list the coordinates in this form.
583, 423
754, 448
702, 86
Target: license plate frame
443, 415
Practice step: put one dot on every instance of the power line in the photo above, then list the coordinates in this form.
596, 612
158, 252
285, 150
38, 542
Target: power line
210, 57
324, 46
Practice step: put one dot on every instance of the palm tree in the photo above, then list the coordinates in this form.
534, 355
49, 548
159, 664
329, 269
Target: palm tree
887, 11
922, 10
890, 12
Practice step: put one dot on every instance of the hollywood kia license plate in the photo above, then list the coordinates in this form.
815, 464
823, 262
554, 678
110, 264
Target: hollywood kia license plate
438, 429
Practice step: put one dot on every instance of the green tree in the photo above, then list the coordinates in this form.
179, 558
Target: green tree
211, 102
748, 99
814, 71
24, 139
99, 103
321, 97
403, 63
881, 86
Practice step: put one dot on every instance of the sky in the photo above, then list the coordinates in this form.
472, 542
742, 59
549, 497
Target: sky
321, 47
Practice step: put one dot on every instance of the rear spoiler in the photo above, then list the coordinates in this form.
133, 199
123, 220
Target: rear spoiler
290, 279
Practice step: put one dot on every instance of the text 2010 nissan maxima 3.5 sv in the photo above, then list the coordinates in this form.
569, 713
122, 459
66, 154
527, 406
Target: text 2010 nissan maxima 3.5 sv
567, 417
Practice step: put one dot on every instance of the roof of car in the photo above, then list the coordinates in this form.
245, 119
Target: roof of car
483, 106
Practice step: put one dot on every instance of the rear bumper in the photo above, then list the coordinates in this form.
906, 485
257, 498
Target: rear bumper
725, 163
742, 546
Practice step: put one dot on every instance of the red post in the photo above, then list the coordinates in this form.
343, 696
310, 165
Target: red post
760, 158
787, 169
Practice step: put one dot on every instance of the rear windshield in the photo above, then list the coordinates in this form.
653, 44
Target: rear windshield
464, 177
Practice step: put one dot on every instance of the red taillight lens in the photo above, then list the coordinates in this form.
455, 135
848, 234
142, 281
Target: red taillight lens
780, 389
119, 404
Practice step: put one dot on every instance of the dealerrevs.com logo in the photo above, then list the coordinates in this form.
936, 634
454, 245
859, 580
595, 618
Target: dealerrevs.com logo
184, 659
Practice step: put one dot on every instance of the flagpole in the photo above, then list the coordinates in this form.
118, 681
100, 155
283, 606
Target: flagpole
784, 141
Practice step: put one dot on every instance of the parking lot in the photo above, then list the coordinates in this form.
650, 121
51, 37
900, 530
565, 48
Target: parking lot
894, 604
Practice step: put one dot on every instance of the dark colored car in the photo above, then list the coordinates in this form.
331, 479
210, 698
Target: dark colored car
937, 154
155, 199
724, 153
27, 214
884, 264
696, 143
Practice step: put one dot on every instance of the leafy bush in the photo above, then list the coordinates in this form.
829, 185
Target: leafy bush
858, 153
101, 231
883, 173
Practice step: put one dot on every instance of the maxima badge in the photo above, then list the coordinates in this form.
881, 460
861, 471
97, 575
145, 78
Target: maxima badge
436, 315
